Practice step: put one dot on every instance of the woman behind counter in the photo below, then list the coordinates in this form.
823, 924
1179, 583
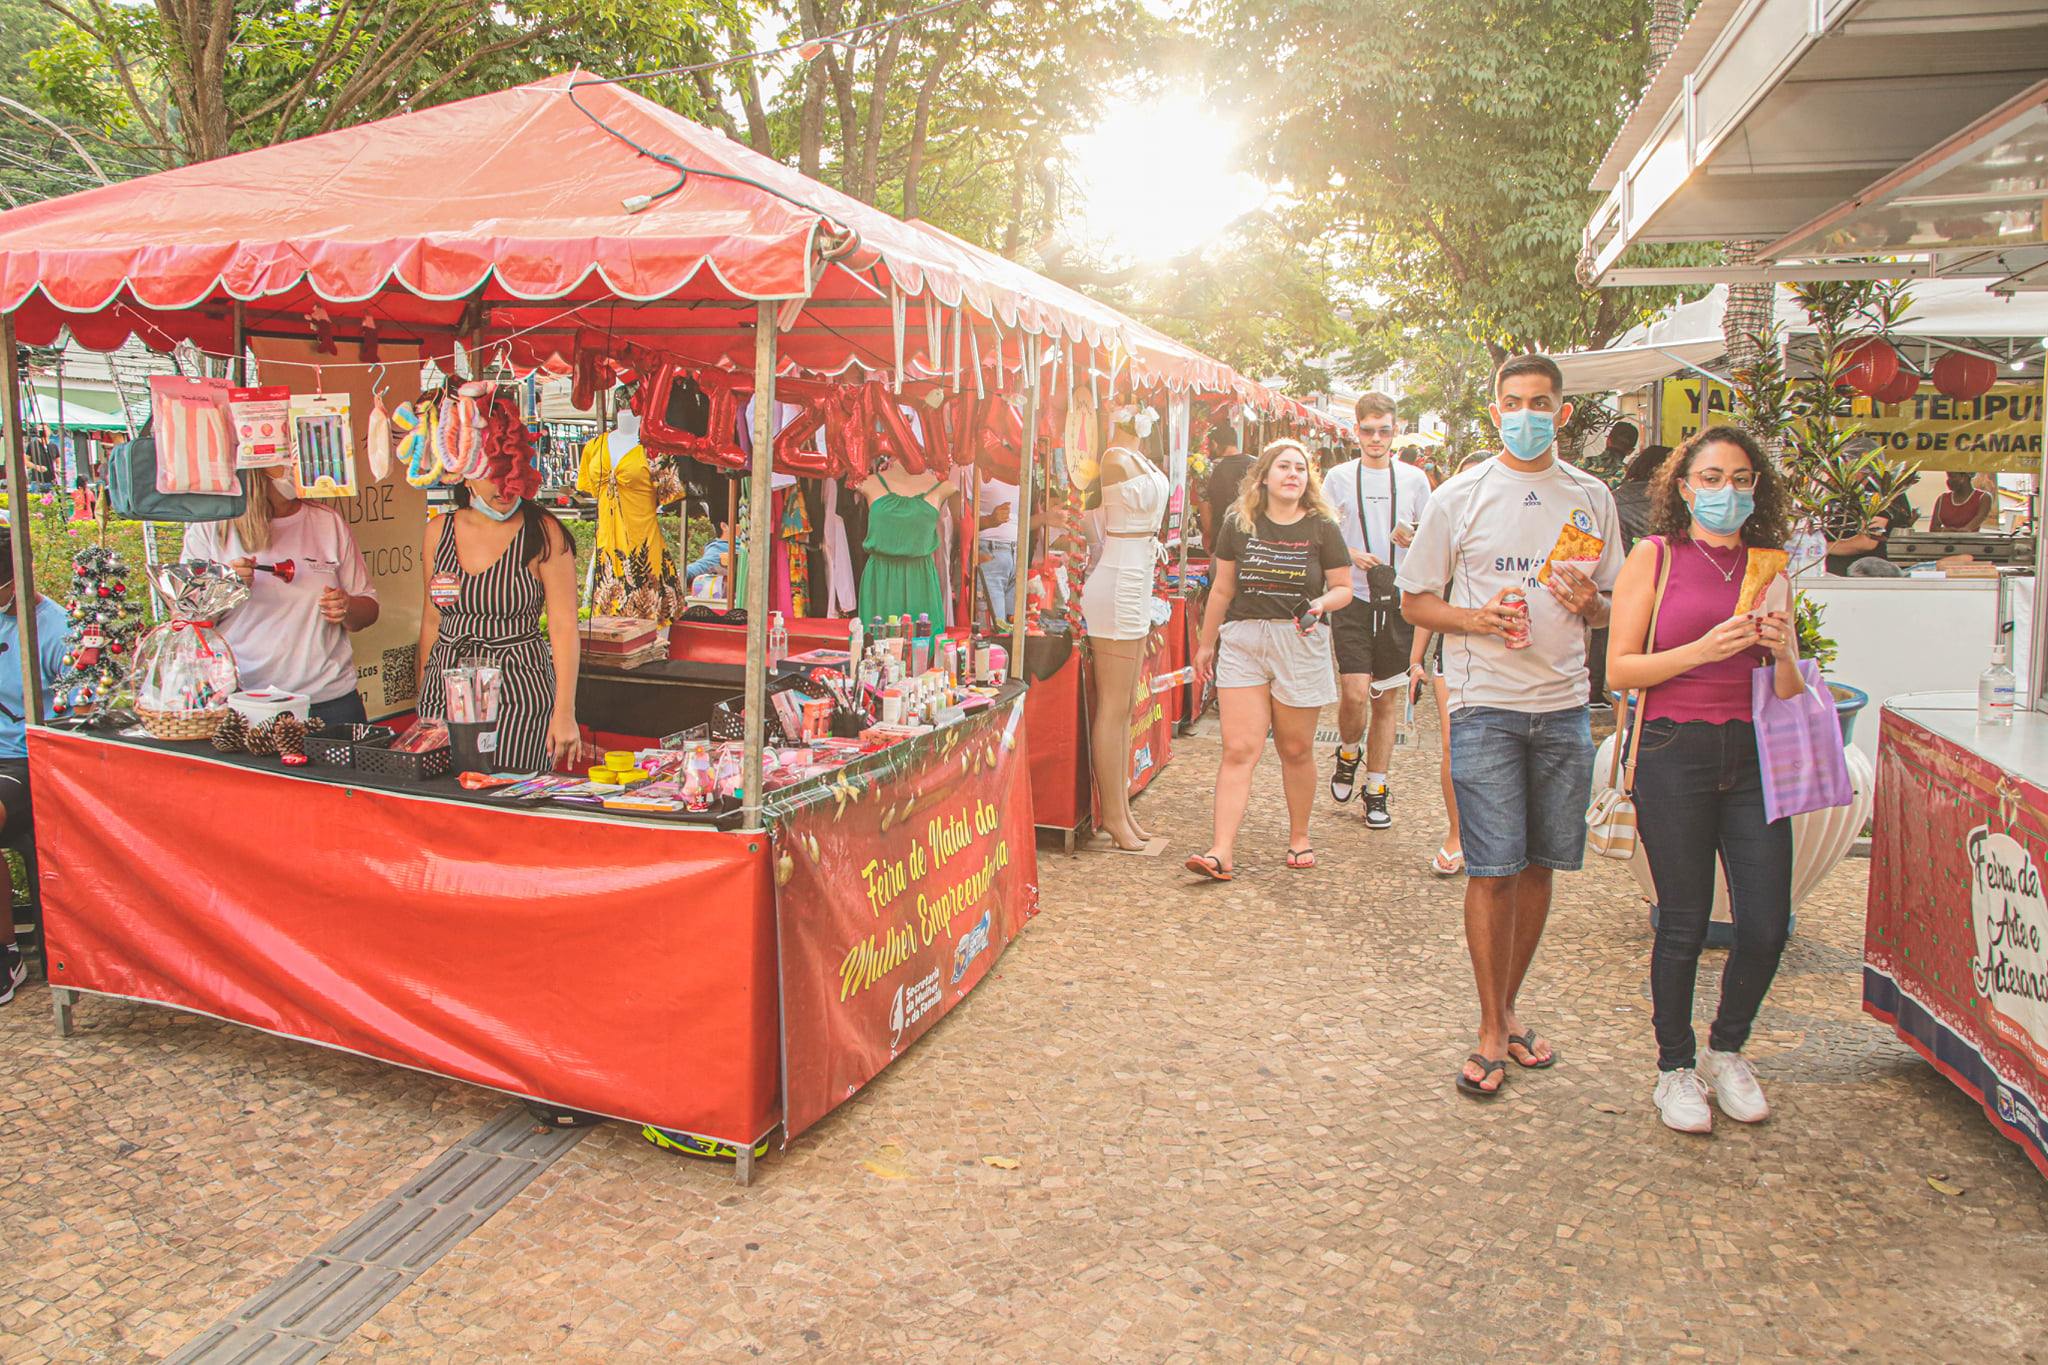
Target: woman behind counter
497, 561
293, 635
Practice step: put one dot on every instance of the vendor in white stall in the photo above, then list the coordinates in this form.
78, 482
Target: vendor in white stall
292, 633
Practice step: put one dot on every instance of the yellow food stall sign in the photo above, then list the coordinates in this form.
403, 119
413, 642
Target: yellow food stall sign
1999, 433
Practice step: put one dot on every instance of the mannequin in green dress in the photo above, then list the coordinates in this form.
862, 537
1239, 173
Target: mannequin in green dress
901, 578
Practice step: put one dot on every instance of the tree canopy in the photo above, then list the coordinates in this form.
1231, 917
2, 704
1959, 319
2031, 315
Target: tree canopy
1443, 153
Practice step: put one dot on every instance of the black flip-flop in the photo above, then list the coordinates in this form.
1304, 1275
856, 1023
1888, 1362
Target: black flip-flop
1527, 1042
1209, 866
1301, 859
1487, 1068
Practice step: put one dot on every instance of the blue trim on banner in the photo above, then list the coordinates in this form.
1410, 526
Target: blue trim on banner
2010, 1112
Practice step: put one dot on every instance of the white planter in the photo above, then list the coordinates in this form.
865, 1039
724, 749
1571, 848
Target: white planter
1820, 838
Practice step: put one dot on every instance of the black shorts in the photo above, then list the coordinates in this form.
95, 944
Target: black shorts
1372, 640
21, 825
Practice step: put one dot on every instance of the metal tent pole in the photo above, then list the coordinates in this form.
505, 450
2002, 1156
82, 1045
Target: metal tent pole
17, 523
758, 548
55, 453
1027, 479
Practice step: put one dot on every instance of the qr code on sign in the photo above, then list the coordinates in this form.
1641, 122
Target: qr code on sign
401, 674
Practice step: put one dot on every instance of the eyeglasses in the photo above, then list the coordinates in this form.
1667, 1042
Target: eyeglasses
1378, 433
1714, 478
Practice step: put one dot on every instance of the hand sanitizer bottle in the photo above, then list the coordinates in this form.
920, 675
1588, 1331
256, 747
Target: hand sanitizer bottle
1994, 691
778, 639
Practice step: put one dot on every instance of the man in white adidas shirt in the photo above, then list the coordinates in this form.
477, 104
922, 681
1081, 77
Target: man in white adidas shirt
1379, 502
1521, 746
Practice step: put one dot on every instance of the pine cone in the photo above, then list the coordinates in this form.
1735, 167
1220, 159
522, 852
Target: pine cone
262, 740
232, 734
289, 732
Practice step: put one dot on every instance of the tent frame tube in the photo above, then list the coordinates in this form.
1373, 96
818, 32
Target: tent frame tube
760, 497
1027, 479
17, 528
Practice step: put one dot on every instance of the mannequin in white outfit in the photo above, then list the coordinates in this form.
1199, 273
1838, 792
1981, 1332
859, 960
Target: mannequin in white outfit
1117, 602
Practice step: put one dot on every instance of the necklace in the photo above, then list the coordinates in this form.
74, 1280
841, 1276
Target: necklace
1727, 574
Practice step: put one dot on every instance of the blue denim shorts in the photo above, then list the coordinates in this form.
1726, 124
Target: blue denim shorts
1522, 781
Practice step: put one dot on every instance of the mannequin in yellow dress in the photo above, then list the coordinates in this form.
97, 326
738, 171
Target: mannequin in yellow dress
634, 574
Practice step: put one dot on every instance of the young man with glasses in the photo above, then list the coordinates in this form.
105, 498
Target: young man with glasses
1379, 500
1521, 745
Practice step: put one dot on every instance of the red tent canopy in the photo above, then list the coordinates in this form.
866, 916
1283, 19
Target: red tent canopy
505, 217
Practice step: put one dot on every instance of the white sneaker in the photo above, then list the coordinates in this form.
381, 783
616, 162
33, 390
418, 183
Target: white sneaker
1682, 1101
1735, 1087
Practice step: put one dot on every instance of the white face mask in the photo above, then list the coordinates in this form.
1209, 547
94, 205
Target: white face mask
285, 484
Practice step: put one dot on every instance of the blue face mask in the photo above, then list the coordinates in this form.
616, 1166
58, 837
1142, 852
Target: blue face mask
1527, 433
1722, 510
493, 513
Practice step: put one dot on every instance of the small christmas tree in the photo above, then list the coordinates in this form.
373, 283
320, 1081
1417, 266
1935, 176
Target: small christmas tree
105, 621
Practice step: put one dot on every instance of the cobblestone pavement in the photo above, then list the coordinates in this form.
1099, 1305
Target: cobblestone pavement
1236, 1135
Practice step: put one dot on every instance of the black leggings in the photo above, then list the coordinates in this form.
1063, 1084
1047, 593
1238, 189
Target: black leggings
1700, 795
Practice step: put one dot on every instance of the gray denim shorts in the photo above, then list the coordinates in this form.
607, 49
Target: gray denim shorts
1298, 667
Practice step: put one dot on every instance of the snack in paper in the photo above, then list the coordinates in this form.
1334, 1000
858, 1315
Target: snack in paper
1762, 570
1576, 546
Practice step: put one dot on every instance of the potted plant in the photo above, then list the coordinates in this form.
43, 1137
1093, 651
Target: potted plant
1837, 479
1837, 486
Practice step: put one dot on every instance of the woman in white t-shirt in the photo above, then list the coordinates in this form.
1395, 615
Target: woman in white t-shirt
293, 635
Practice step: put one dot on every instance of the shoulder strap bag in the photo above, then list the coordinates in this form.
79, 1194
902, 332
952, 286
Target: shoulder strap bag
1611, 818
1380, 588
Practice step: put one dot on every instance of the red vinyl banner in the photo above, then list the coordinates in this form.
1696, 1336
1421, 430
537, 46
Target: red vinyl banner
1955, 950
1153, 716
897, 888
610, 966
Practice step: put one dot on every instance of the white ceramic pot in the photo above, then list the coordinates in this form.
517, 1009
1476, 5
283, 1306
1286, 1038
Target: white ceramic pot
1820, 838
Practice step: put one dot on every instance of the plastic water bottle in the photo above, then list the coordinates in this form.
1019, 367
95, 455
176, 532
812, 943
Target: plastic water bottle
778, 640
1994, 691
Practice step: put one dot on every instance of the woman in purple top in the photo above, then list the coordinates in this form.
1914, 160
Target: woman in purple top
1698, 788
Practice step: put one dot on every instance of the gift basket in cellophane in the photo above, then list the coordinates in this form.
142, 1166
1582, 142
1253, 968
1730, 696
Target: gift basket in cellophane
184, 670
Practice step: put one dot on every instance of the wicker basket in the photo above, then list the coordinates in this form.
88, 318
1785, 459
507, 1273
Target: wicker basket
181, 724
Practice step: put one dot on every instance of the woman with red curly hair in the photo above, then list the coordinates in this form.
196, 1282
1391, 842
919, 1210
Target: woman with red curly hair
496, 564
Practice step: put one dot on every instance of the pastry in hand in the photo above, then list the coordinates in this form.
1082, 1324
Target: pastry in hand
1762, 568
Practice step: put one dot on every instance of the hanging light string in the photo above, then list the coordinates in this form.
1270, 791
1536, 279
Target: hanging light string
809, 48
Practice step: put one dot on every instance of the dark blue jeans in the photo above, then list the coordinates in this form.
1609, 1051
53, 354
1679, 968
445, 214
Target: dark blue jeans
345, 709
1700, 797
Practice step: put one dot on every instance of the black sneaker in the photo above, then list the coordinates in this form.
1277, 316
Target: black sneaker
1376, 816
1344, 781
13, 971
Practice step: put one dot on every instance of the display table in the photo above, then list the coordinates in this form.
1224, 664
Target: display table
594, 960
1956, 947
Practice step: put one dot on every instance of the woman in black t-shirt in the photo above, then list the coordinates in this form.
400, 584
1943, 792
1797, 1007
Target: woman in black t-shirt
1281, 566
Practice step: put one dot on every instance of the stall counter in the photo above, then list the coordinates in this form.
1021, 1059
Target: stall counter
714, 982
1956, 938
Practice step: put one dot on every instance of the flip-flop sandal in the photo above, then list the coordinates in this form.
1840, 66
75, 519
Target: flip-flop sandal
1304, 859
1477, 1088
1447, 863
1209, 866
1527, 1042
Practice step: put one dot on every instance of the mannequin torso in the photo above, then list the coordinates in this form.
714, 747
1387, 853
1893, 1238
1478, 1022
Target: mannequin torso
623, 437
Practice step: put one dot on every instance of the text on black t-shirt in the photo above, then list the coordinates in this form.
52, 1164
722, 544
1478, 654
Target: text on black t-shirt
1279, 566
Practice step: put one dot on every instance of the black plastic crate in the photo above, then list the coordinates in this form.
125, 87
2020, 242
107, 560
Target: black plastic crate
338, 750
396, 763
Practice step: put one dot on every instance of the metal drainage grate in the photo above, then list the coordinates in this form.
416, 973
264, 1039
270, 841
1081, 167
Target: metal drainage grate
327, 1296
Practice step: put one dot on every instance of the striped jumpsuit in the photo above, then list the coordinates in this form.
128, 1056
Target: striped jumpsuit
496, 620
